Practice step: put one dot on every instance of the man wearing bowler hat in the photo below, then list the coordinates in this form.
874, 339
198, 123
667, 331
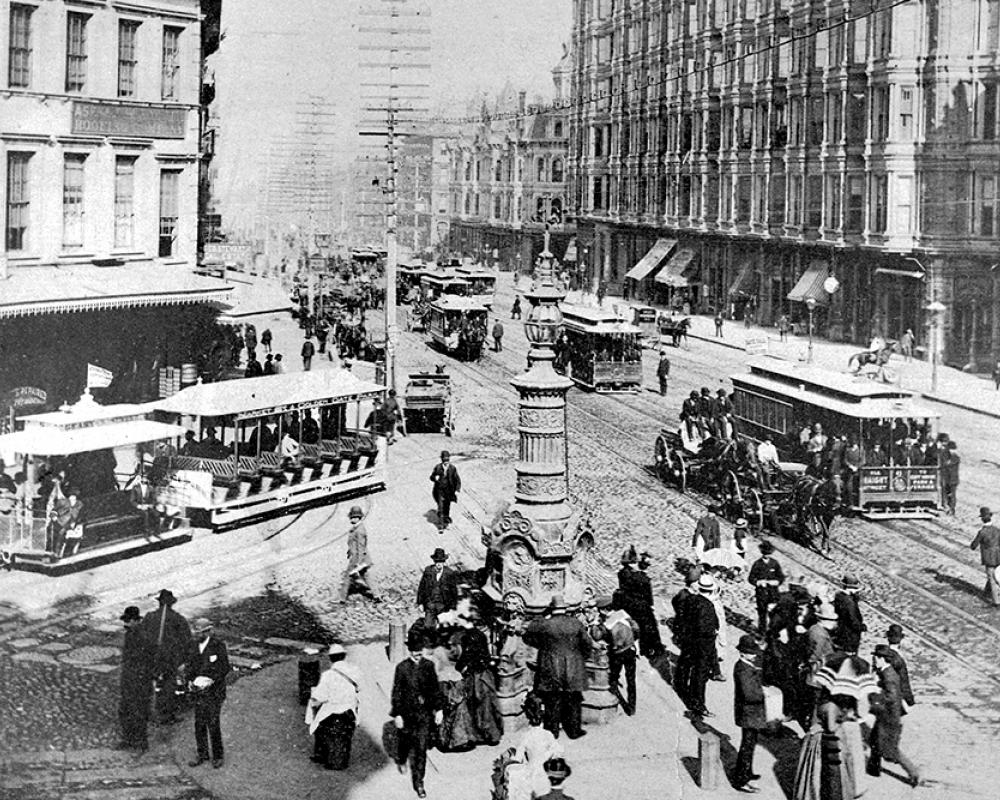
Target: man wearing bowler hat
748, 710
557, 771
417, 704
170, 636
355, 578
888, 730
850, 623
766, 577
209, 666
438, 589
988, 542
447, 484
894, 637
136, 684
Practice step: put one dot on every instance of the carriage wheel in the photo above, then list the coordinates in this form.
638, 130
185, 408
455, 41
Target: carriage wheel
679, 470
753, 510
661, 458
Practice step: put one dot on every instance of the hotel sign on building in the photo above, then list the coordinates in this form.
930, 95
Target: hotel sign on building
117, 119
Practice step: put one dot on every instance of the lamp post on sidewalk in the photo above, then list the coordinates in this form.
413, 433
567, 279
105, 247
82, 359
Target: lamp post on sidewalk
937, 309
811, 305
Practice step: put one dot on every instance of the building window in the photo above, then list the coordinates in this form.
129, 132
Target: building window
879, 202
904, 203
171, 62
598, 192
73, 200
832, 202
19, 57
169, 187
834, 127
76, 52
497, 207
816, 121
18, 201
855, 203
989, 103
124, 202
498, 171
540, 170
128, 31
906, 112
557, 170
880, 117
557, 130
986, 196
795, 199
814, 201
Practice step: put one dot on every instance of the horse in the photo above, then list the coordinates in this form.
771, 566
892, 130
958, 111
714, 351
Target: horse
817, 503
877, 355
677, 330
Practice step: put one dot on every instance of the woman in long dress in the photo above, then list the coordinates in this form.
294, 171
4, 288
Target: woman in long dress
526, 778
457, 730
475, 664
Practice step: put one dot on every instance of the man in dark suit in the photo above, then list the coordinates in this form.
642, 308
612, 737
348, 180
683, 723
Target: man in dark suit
170, 635
417, 703
702, 628
447, 484
438, 589
561, 675
850, 624
748, 710
207, 672
685, 659
885, 736
136, 684
663, 372
894, 636
988, 542
637, 596
951, 464
766, 577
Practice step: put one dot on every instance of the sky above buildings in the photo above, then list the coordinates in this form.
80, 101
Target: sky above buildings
290, 71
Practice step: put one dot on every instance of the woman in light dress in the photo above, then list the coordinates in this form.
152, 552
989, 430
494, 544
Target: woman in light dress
526, 778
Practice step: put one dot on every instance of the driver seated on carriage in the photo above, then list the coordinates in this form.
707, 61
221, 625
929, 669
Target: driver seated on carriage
767, 457
691, 417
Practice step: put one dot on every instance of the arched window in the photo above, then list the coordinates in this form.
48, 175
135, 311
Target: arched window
540, 169
541, 207
468, 204
520, 169
498, 171
557, 130
556, 211
468, 170
557, 170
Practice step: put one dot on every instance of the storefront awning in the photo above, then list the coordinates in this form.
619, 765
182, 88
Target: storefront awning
570, 250
743, 275
811, 284
50, 290
653, 258
677, 272
253, 296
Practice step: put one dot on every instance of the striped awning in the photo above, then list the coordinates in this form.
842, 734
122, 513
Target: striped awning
678, 272
84, 287
743, 274
653, 258
570, 254
811, 284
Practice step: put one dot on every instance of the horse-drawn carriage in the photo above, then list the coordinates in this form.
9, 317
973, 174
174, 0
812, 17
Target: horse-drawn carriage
673, 330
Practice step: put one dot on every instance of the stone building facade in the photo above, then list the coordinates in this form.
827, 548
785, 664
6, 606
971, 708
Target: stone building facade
767, 145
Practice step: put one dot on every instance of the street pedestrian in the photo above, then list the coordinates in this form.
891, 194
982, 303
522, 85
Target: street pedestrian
637, 597
906, 345
707, 534
885, 736
266, 339
894, 638
497, 336
416, 704
253, 368
748, 710
951, 464
602, 290
718, 325
988, 542
308, 351
685, 658
515, 310
479, 681
170, 635
268, 364
438, 588
207, 673
250, 338
279, 365
819, 647
355, 578
561, 673
557, 771
850, 623
332, 713
394, 417
701, 631
447, 484
663, 372
526, 776
783, 328
322, 331
136, 687
620, 631
766, 576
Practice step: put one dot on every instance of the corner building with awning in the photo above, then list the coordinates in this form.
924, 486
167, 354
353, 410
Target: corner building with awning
99, 152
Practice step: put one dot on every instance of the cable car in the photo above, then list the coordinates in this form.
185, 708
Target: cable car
482, 283
443, 282
644, 318
458, 326
780, 398
110, 458
268, 445
603, 352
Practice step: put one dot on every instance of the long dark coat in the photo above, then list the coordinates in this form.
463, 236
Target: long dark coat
416, 693
136, 686
174, 646
748, 697
701, 626
214, 664
447, 482
850, 623
889, 715
442, 591
563, 648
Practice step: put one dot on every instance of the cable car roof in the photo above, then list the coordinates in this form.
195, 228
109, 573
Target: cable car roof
47, 440
450, 302
269, 394
443, 278
587, 314
476, 272
824, 381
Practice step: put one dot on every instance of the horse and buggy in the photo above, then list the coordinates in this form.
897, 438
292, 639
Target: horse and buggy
672, 330
776, 401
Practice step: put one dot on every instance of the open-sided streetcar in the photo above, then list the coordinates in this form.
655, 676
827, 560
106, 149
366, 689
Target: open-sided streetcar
780, 399
458, 326
272, 444
482, 283
440, 283
603, 352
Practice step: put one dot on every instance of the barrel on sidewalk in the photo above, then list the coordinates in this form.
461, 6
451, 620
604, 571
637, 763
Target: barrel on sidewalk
309, 669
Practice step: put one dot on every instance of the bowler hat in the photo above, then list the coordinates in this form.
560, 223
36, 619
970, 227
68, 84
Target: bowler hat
706, 584
748, 644
336, 649
800, 594
439, 554
166, 597
742, 524
766, 548
850, 582
416, 640
826, 611
202, 624
883, 651
355, 512
131, 614
895, 634
985, 511
445, 454
557, 768
629, 556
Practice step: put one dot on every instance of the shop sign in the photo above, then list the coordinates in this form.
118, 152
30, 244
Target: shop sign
875, 479
923, 479
226, 253
25, 396
115, 119
756, 345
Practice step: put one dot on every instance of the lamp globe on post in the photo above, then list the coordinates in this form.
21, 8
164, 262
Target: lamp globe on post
811, 305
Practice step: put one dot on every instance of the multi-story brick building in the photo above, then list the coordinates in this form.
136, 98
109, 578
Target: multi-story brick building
766, 145
99, 152
508, 181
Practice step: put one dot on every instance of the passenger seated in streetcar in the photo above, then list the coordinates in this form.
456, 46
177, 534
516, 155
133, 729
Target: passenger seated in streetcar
767, 457
310, 428
817, 440
211, 447
289, 449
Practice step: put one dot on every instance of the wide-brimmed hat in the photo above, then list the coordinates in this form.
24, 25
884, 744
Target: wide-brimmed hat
355, 512
850, 582
629, 556
742, 524
827, 612
439, 554
894, 634
202, 624
766, 548
557, 768
706, 584
445, 454
131, 614
336, 649
166, 597
748, 644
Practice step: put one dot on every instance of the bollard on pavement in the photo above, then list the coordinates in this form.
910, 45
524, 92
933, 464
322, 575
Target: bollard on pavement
309, 669
397, 641
709, 760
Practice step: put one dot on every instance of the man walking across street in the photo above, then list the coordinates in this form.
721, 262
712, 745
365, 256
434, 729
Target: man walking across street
561, 675
888, 730
988, 542
663, 372
766, 577
332, 713
308, 351
637, 597
447, 484
136, 684
170, 636
701, 624
355, 578
850, 624
438, 588
497, 336
417, 703
894, 636
208, 671
748, 710
718, 325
